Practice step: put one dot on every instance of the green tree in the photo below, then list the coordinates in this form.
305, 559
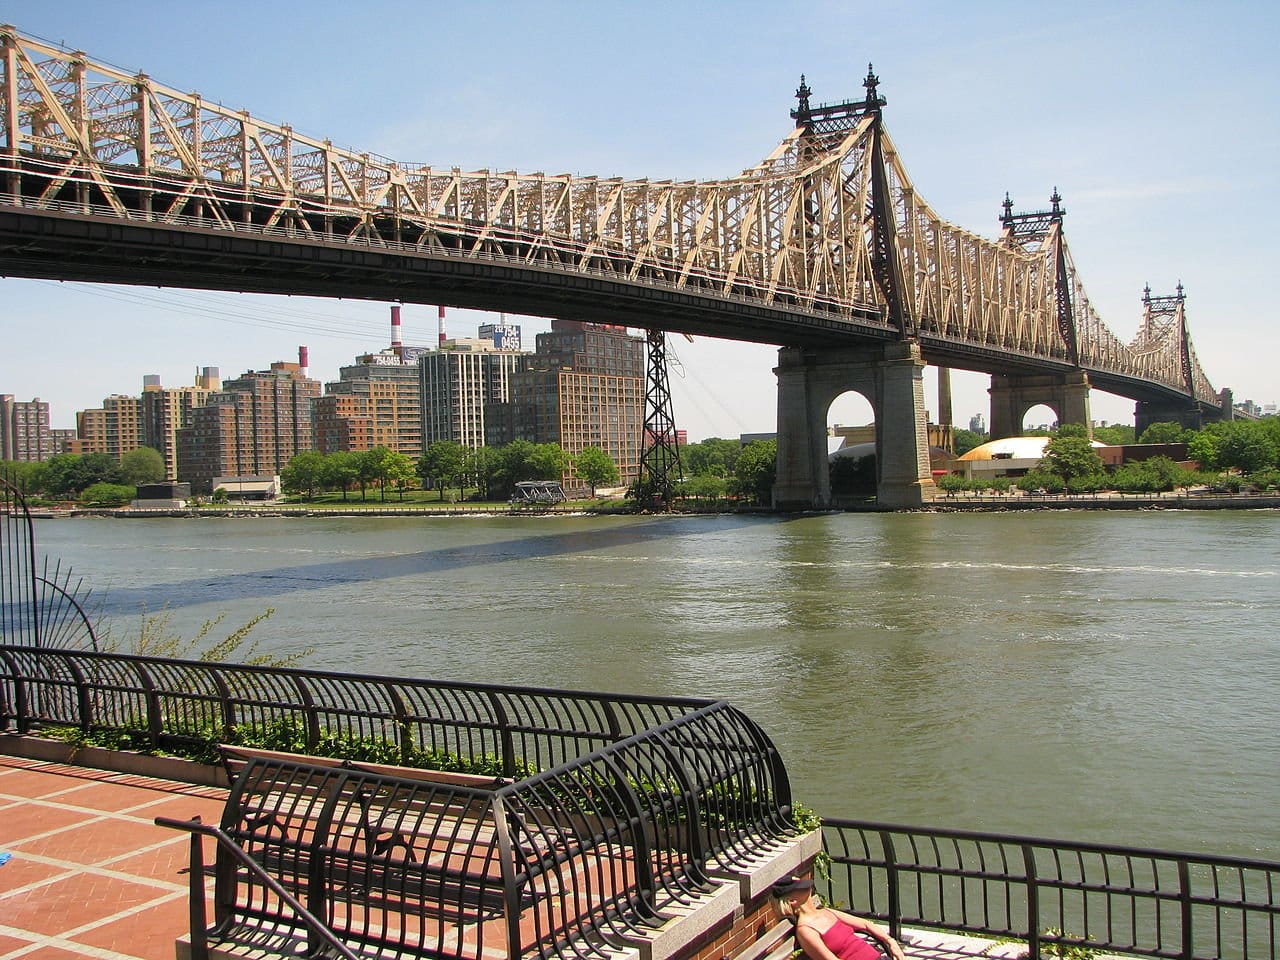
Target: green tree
400, 472
304, 473
1247, 446
1202, 447
548, 461
703, 486
108, 494
479, 465
1163, 432
339, 471
713, 456
756, 469
444, 462
368, 466
1115, 435
596, 468
28, 477
966, 440
144, 465
1069, 454
69, 473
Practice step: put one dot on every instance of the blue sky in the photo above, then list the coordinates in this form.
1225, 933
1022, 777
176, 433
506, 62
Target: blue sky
1156, 120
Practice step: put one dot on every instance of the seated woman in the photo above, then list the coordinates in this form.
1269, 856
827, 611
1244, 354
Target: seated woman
827, 934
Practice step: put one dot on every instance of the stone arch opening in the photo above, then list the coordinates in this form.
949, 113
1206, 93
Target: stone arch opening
1038, 416
851, 457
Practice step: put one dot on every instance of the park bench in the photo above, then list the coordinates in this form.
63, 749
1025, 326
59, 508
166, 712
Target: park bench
392, 860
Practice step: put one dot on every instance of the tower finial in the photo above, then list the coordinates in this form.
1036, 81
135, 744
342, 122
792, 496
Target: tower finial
802, 94
1056, 200
1181, 297
872, 81
1146, 294
1008, 208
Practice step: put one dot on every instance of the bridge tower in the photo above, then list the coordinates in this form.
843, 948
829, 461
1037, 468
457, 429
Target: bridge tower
1165, 319
889, 376
1067, 394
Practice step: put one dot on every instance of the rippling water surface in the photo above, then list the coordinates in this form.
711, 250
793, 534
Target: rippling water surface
1107, 676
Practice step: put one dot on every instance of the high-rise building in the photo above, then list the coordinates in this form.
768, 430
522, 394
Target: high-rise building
376, 402
584, 387
24, 429
165, 410
459, 381
252, 427
115, 428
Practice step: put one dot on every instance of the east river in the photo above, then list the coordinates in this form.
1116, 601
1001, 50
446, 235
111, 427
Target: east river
1091, 676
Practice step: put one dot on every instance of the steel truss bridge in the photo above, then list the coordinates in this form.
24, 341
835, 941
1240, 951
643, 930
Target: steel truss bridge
107, 176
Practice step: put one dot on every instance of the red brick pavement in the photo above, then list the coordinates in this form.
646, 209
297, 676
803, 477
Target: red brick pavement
90, 874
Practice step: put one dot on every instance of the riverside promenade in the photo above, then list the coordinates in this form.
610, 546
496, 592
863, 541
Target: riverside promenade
91, 877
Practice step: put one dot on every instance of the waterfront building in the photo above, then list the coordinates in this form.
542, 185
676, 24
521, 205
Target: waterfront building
165, 410
252, 426
24, 430
583, 387
115, 428
461, 382
375, 402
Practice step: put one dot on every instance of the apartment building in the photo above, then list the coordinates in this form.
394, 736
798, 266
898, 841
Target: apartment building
460, 381
24, 429
253, 426
583, 387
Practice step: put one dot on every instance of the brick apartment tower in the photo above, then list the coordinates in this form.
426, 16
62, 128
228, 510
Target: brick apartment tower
252, 427
24, 430
376, 402
584, 387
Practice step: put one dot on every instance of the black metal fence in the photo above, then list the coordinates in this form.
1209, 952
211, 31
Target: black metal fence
1056, 895
169, 704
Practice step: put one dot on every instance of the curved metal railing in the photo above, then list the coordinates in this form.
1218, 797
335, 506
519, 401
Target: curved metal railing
171, 704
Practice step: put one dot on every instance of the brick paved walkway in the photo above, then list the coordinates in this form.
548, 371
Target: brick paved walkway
90, 875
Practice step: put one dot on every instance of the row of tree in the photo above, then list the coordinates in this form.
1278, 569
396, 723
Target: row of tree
69, 475
491, 472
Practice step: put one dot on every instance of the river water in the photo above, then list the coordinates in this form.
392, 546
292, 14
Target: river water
1084, 675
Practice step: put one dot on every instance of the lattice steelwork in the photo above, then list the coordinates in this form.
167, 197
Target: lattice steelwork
829, 223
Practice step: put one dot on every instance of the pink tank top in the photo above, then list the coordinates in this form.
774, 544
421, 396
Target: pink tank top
842, 940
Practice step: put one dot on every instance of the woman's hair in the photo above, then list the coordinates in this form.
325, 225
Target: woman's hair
783, 890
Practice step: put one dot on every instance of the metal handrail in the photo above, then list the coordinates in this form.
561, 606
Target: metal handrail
199, 916
171, 703
1065, 894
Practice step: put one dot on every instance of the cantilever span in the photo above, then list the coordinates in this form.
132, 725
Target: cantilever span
109, 176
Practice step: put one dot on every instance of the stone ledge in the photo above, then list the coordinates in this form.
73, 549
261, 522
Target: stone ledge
116, 761
689, 921
776, 859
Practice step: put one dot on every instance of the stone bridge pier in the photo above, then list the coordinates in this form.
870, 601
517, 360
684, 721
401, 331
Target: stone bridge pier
891, 377
1066, 394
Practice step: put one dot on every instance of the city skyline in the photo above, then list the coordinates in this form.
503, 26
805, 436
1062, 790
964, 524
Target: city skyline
1095, 102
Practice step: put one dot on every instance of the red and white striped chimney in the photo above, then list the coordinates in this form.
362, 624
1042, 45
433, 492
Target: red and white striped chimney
396, 341
442, 324
304, 363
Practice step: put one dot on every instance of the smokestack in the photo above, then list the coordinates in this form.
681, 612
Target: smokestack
442, 324
303, 362
396, 342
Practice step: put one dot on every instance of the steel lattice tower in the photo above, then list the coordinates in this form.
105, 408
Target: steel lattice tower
660, 453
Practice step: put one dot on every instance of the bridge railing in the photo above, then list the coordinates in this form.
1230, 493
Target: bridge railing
573, 256
1054, 894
